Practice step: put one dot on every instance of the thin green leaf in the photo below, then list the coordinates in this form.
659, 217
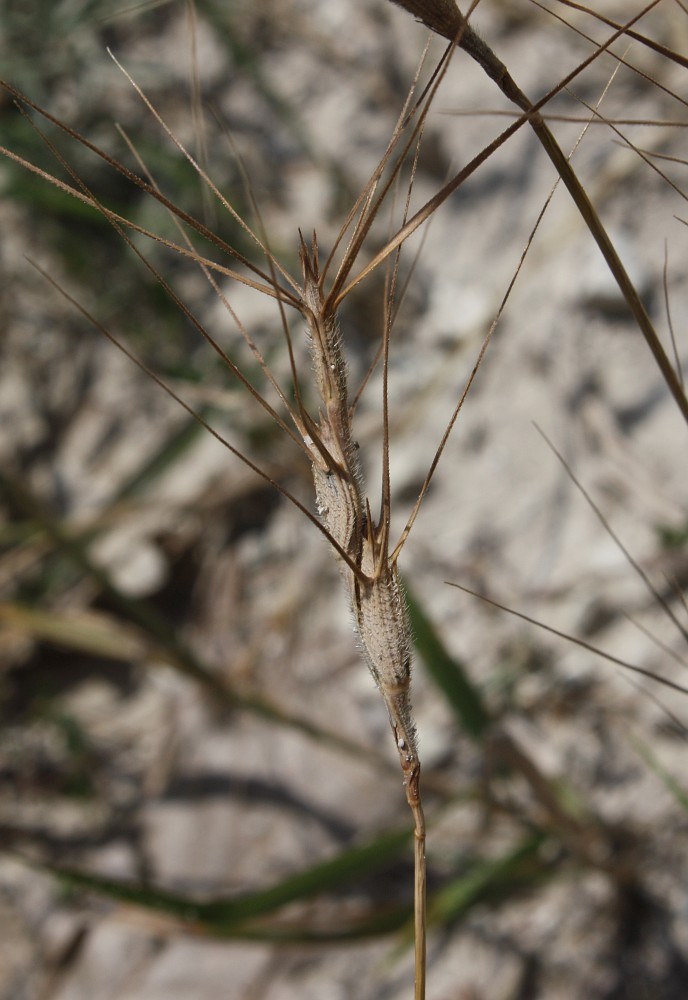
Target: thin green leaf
501, 876
224, 916
672, 537
449, 674
378, 924
171, 450
677, 790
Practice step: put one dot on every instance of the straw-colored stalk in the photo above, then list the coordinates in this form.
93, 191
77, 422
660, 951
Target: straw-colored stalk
370, 575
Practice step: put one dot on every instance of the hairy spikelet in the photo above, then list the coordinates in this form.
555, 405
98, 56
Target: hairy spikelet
375, 595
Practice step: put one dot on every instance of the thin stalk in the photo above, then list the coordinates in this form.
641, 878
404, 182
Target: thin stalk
444, 18
641, 671
375, 595
419, 892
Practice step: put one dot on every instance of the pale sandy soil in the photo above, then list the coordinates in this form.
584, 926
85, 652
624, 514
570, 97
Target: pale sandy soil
217, 803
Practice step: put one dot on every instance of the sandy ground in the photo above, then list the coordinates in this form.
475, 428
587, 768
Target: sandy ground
216, 803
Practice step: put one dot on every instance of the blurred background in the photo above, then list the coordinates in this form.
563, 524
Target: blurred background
199, 795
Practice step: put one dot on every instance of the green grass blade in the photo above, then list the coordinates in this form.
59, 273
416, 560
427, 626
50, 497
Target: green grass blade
172, 449
677, 790
381, 922
499, 877
449, 674
229, 916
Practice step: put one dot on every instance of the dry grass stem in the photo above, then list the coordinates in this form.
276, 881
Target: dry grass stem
370, 575
444, 18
